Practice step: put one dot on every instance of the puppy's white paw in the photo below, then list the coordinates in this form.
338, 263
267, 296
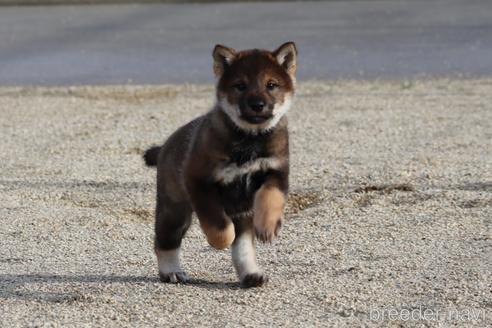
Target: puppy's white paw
174, 277
256, 279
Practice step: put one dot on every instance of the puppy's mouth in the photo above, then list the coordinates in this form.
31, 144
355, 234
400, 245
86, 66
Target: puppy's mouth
256, 119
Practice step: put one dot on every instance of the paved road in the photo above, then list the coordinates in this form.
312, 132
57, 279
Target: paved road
167, 43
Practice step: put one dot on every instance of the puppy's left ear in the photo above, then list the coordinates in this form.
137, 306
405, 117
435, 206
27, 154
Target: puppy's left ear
286, 56
223, 57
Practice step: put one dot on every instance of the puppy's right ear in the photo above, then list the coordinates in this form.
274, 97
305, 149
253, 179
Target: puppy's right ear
223, 57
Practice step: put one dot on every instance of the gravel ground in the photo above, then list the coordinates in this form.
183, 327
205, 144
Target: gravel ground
390, 212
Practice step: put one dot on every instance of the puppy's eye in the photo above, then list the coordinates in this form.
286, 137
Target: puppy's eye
271, 85
240, 86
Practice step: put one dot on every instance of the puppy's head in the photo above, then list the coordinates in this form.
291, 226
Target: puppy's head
255, 87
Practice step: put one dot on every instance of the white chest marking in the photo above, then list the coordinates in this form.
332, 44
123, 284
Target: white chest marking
229, 173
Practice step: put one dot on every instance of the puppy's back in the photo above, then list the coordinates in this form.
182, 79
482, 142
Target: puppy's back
169, 159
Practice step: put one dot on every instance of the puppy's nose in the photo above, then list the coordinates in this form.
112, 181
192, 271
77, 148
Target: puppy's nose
256, 105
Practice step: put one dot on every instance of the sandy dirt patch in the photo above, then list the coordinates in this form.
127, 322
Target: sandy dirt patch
391, 210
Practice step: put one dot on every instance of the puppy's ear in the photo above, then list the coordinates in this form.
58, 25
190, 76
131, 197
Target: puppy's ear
223, 57
286, 56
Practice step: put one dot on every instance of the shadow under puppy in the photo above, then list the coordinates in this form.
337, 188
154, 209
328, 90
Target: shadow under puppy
229, 166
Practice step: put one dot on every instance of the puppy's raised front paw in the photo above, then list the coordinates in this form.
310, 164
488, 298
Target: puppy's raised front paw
266, 233
268, 212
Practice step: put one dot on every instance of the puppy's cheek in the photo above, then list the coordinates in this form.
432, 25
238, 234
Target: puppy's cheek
230, 108
281, 108
232, 100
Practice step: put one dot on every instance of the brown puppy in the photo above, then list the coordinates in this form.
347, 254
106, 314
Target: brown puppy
229, 166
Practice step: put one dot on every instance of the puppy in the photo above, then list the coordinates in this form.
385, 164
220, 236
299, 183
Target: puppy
229, 166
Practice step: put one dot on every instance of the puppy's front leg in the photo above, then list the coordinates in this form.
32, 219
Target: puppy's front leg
215, 223
269, 204
244, 257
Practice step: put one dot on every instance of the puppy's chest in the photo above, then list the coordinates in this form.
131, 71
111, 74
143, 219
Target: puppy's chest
242, 174
244, 160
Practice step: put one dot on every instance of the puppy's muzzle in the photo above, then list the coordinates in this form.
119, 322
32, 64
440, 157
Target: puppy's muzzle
256, 104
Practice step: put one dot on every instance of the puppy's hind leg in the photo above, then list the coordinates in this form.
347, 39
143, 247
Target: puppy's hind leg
172, 222
244, 256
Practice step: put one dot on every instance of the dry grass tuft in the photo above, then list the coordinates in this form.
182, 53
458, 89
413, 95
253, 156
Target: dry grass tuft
299, 201
140, 214
385, 188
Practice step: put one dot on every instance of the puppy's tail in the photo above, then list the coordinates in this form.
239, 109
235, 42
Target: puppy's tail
151, 154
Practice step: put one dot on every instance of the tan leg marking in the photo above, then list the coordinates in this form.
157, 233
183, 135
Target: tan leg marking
268, 212
218, 238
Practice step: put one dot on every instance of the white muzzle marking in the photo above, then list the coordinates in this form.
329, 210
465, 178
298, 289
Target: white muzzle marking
234, 114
